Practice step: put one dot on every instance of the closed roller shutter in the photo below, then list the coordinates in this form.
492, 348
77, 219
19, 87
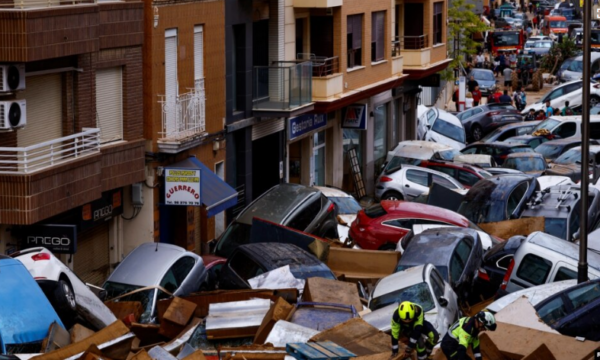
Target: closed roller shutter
44, 110
171, 88
109, 103
198, 52
267, 127
92, 260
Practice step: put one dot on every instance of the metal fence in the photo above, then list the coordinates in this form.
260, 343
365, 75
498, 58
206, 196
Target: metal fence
184, 115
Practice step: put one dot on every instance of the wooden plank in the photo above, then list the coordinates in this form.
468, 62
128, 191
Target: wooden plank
123, 308
57, 338
141, 355
280, 310
357, 336
324, 351
79, 332
331, 291
336, 349
362, 264
489, 350
180, 311
509, 228
541, 353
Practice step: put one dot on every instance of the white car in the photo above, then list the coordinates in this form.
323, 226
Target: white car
535, 294
486, 240
538, 38
421, 150
571, 92
420, 284
346, 206
67, 293
441, 127
406, 182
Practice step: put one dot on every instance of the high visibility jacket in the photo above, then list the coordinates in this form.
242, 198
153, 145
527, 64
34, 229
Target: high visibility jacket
466, 334
412, 330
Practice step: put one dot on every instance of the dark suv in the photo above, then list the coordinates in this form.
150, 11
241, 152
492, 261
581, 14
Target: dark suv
483, 119
466, 174
297, 206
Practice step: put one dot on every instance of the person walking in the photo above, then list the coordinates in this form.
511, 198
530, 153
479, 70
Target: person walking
505, 98
549, 109
507, 76
409, 320
469, 100
523, 97
535, 22
455, 98
472, 83
517, 99
465, 333
476, 96
480, 60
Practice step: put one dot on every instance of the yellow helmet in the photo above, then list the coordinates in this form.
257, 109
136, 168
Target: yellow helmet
406, 310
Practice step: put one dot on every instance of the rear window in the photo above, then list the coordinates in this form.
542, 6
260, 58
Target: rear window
375, 211
534, 269
524, 149
306, 215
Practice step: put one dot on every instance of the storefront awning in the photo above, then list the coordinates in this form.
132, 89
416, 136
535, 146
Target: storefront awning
215, 194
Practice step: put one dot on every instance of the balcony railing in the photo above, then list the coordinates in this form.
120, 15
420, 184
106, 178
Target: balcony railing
24, 160
396, 46
40, 4
283, 86
184, 115
322, 66
413, 42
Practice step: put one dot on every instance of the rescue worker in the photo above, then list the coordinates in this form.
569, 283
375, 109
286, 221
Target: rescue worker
465, 333
409, 320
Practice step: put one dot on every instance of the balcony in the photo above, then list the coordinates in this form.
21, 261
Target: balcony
283, 89
415, 50
397, 58
327, 80
183, 120
317, 3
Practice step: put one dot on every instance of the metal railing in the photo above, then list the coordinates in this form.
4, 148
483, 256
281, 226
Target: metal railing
39, 4
184, 115
396, 46
24, 160
322, 66
413, 42
283, 86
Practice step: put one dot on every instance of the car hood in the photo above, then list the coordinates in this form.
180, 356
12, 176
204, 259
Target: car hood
380, 319
440, 138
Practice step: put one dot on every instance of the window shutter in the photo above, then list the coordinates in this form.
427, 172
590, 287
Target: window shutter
109, 104
198, 53
380, 17
357, 32
171, 88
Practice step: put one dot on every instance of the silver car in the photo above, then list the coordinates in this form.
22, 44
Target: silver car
406, 182
155, 271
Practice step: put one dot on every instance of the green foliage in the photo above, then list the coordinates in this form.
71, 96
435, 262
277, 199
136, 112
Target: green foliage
462, 25
559, 53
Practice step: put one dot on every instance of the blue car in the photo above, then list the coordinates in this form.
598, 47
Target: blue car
26, 313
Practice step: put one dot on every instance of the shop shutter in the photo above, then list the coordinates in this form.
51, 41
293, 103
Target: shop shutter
266, 127
44, 110
92, 260
198, 54
109, 104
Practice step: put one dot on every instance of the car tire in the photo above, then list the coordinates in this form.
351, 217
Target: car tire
387, 247
65, 297
594, 100
392, 195
476, 132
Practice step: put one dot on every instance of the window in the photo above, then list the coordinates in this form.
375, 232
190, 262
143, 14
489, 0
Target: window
471, 150
377, 36
515, 198
319, 158
504, 262
438, 9
380, 133
244, 267
171, 84
566, 130
306, 215
443, 181
418, 177
176, 275
534, 269
109, 103
431, 116
354, 40
553, 311
584, 295
437, 284
443, 169
467, 178
565, 274
199, 56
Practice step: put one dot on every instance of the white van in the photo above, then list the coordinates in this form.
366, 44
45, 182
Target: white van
543, 259
571, 92
569, 126
441, 127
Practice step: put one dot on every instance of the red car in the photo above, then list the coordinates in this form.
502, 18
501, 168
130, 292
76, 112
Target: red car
381, 226
465, 174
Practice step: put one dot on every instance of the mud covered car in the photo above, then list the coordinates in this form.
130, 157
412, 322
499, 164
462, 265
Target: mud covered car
569, 164
528, 163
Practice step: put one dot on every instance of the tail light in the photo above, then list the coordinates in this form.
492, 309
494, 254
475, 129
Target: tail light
331, 207
385, 179
483, 275
507, 275
41, 256
503, 157
597, 86
495, 113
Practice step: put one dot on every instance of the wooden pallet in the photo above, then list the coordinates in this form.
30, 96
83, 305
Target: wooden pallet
318, 351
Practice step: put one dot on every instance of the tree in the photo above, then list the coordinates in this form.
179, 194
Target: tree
561, 51
463, 24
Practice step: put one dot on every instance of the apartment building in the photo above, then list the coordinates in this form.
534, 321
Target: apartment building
71, 137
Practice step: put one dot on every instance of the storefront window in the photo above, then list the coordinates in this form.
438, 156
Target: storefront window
319, 158
352, 139
380, 136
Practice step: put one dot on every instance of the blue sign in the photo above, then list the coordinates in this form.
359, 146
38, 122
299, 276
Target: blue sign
306, 123
355, 117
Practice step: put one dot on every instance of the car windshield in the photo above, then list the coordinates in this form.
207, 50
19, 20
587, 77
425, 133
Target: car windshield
556, 227
505, 39
547, 124
569, 157
448, 130
525, 164
346, 205
446, 154
529, 44
576, 66
375, 211
484, 75
145, 297
543, 44
236, 234
418, 293
549, 151
558, 24
484, 174
565, 65
493, 135
396, 163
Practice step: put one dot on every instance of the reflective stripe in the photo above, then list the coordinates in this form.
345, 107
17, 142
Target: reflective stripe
477, 354
413, 340
395, 347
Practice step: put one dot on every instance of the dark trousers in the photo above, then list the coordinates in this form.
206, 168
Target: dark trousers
450, 347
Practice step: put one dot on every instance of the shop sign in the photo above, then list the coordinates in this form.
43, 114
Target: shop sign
355, 117
103, 209
59, 239
305, 124
182, 187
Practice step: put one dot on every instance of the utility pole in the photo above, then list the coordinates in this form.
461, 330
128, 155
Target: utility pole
582, 273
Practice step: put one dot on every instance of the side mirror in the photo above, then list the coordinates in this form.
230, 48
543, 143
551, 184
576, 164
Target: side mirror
443, 301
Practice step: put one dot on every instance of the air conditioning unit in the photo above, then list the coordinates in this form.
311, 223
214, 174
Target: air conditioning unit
12, 77
12, 114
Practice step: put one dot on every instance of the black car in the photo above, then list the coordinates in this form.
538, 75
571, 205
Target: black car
297, 206
529, 140
483, 119
251, 260
455, 252
574, 311
494, 265
507, 131
555, 148
498, 198
498, 150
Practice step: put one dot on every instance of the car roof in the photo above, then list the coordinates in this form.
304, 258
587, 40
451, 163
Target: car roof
451, 164
522, 137
431, 246
555, 202
499, 144
416, 210
399, 280
525, 155
277, 203
565, 141
446, 116
501, 184
147, 264
563, 247
332, 192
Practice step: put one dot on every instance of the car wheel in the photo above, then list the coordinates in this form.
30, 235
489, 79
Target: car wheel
594, 100
392, 195
65, 297
388, 246
476, 132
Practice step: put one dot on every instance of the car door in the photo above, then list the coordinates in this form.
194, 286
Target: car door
174, 279
414, 183
449, 313
425, 122
553, 96
563, 271
583, 319
573, 94
458, 265
446, 181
